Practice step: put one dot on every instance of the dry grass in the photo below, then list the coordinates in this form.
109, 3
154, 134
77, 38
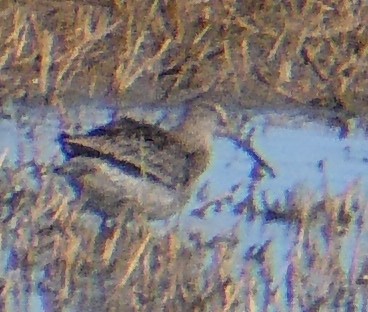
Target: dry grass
310, 52
248, 52
133, 270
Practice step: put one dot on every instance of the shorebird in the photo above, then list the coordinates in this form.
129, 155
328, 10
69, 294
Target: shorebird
133, 163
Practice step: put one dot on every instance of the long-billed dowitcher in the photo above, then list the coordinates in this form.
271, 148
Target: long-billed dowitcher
133, 162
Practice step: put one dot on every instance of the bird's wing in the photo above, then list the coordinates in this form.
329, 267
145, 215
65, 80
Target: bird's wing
152, 151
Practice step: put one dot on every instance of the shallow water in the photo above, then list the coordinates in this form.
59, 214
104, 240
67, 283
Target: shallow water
301, 152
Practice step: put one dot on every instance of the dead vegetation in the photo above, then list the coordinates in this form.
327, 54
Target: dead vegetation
133, 270
248, 52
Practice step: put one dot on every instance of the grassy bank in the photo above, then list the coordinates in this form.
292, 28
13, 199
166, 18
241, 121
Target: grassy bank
249, 53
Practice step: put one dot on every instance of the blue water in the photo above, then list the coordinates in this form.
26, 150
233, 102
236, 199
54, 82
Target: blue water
310, 156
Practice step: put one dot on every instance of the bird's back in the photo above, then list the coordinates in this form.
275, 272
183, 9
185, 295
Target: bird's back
140, 149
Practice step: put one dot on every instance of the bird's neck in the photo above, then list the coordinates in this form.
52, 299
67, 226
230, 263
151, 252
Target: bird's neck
196, 130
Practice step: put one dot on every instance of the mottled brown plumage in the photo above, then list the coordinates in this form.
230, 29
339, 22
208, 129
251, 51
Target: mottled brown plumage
132, 162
